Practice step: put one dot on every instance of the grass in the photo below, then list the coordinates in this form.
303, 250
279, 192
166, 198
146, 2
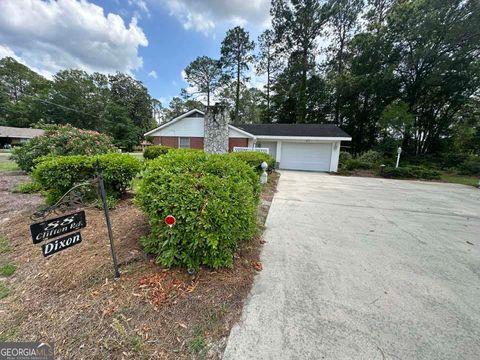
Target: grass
4, 245
7, 269
137, 155
460, 179
8, 166
4, 290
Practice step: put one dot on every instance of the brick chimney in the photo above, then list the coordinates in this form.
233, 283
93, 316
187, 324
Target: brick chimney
216, 129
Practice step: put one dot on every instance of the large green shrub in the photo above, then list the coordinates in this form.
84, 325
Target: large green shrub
410, 172
214, 199
471, 166
154, 151
61, 140
58, 174
344, 158
355, 164
254, 159
371, 157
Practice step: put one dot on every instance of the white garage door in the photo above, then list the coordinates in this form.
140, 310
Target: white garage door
306, 156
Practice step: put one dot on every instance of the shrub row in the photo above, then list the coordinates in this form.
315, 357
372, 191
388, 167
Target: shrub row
61, 140
154, 151
255, 159
410, 172
214, 199
56, 175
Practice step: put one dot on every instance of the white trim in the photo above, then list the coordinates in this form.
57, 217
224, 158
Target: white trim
241, 131
178, 118
318, 138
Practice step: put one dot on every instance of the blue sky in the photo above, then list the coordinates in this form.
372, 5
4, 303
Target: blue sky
154, 40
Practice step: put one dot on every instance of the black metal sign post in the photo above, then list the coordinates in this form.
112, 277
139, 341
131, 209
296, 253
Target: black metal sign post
107, 219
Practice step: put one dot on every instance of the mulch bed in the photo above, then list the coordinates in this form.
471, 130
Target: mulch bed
72, 299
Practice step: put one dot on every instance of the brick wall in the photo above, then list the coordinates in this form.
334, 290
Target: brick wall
171, 141
242, 142
196, 142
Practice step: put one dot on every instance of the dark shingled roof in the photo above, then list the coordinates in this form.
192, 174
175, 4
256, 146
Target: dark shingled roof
312, 130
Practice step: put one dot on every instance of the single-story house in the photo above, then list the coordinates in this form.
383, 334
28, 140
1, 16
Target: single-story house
314, 147
15, 135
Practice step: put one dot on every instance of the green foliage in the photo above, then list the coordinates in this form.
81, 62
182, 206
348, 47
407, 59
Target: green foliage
471, 166
355, 164
254, 159
411, 172
371, 157
57, 175
4, 290
205, 74
61, 140
7, 269
236, 52
344, 158
154, 151
214, 199
4, 245
28, 188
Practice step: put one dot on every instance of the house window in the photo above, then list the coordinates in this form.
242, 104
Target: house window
184, 143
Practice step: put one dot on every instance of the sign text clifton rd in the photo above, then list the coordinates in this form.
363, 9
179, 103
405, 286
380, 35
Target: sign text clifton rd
55, 227
61, 244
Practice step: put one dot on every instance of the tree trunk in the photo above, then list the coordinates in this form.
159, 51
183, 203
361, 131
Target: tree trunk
302, 105
268, 90
237, 95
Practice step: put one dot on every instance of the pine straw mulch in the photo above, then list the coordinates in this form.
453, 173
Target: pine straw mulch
70, 298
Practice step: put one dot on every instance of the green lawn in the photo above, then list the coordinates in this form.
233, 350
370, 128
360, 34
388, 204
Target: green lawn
460, 179
138, 155
8, 166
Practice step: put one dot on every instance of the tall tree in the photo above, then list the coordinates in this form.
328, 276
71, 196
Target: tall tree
77, 98
21, 89
297, 25
236, 56
205, 74
438, 43
134, 96
342, 22
268, 63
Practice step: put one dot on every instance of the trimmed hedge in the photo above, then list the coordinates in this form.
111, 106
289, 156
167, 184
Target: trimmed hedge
57, 175
254, 159
214, 199
354, 164
154, 151
59, 140
410, 172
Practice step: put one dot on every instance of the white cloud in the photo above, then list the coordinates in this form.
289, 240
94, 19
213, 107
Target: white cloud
203, 16
153, 74
141, 5
54, 35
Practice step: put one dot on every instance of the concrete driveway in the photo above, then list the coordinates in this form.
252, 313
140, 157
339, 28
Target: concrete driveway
365, 268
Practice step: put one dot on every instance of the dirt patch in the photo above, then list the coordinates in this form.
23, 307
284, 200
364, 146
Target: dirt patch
71, 298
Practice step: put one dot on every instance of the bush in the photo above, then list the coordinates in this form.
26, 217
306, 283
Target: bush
371, 157
57, 175
471, 166
254, 159
154, 151
411, 172
355, 164
344, 158
61, 140
214, 199
27, 188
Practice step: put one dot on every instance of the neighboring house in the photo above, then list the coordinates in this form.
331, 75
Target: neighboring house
15, 136
314, 147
